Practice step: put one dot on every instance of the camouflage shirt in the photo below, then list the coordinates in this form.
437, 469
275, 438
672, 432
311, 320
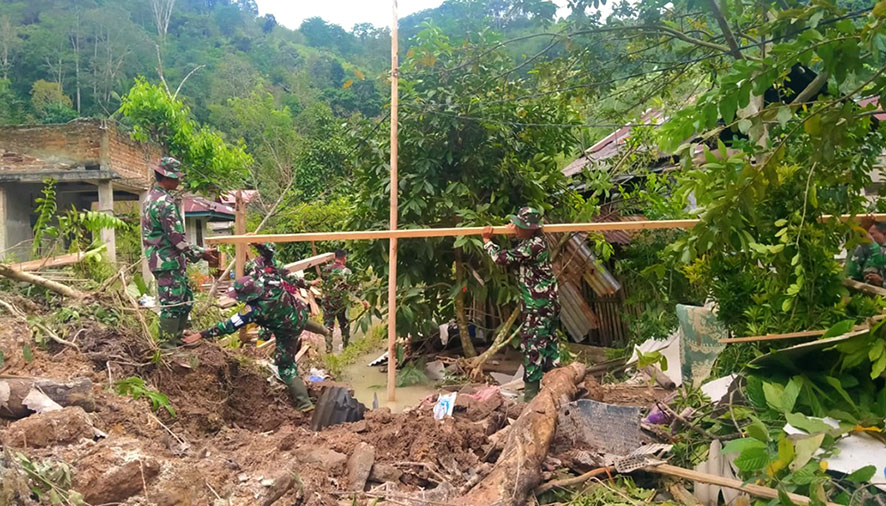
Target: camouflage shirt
276, 310
538, 284
163, 234
867, 259
337, 286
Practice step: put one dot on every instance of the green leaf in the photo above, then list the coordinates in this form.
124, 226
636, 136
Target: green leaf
791, 391
839, 329
752, 459
740, 445
862, 475
783, 498
805, 448
758, 431
774, 394
28, 353
809, 425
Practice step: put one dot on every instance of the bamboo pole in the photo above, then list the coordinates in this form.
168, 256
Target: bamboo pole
392, 256
449, 232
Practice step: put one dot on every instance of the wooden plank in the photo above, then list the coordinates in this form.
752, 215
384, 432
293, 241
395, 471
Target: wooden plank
722, 481
307, 263
410, 233
49, 262
240, 230
773, 337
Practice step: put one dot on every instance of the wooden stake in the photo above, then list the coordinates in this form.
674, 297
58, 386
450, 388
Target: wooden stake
722, 481
450, 232
240, 249
392, 256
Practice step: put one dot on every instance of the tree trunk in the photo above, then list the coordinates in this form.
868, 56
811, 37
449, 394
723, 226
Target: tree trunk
460, 318
27, 277
501, 340
518, 471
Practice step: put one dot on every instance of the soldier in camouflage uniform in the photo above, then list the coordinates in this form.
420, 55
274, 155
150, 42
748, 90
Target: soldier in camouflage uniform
538, 288
168, 251
868, 261
273, 306
337, 285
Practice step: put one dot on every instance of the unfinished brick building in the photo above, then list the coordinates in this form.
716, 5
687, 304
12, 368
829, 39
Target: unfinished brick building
92, 161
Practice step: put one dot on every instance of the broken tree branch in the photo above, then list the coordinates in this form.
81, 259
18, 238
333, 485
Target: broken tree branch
575, 480
17, 313
497, 344
26, 277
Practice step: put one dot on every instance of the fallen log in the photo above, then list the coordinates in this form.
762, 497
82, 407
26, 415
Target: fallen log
26, 277
518, 470
18, 394
498, 343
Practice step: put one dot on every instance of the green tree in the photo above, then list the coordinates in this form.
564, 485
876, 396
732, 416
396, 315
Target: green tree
466, 158
209, 163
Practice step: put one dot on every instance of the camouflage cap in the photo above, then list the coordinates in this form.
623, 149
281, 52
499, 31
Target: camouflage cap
264, 248
169, 167
528, 218
246, 289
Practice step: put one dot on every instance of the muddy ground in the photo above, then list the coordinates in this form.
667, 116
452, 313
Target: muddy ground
234, 438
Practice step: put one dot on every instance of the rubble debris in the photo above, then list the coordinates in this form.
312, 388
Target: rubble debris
383, 473
51, 428
325, 458
360, 466
112, 475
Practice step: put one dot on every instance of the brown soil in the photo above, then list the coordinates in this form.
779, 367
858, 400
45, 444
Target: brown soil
234, 435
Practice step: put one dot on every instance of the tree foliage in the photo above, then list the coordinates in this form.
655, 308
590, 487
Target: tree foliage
208, 162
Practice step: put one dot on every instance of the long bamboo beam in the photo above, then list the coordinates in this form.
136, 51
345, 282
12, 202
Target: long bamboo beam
411, 233
395, 187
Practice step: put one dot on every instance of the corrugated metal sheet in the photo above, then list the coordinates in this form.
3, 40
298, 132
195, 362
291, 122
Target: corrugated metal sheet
575, 313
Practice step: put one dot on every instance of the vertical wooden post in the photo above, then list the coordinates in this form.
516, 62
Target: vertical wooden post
240, 249
392, 260
106, 205
239, 229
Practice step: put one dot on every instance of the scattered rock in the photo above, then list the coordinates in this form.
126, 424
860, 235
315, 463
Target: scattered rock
324, 457
118, 479
360, 465
382, 473
278, 487
64, 426
242, 477
359, 426
267, 482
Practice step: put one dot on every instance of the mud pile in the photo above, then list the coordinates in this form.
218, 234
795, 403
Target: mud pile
234, 438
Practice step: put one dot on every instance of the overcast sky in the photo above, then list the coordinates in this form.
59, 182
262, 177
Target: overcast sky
346, 13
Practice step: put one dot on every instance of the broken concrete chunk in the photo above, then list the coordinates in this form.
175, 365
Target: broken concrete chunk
64, 426
360, 465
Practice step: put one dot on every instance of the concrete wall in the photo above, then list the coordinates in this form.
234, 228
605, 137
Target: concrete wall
191, 226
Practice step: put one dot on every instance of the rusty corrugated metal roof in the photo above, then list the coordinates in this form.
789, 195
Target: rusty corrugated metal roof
576, 314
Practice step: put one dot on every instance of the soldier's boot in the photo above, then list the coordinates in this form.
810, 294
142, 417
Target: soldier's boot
170, 333
316, 328
298, 393
345, 337
530, 390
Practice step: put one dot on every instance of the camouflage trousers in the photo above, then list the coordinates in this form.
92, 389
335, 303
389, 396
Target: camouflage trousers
287, 347
330, 315
541, 352
174, 293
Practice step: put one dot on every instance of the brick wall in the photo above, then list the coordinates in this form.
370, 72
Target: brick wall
77, 143
132, 160
83, 144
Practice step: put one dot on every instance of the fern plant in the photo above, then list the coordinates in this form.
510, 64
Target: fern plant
134, 387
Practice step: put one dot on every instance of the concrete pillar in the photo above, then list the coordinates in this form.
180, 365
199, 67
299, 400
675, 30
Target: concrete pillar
146, 271
106, 205
3, 217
